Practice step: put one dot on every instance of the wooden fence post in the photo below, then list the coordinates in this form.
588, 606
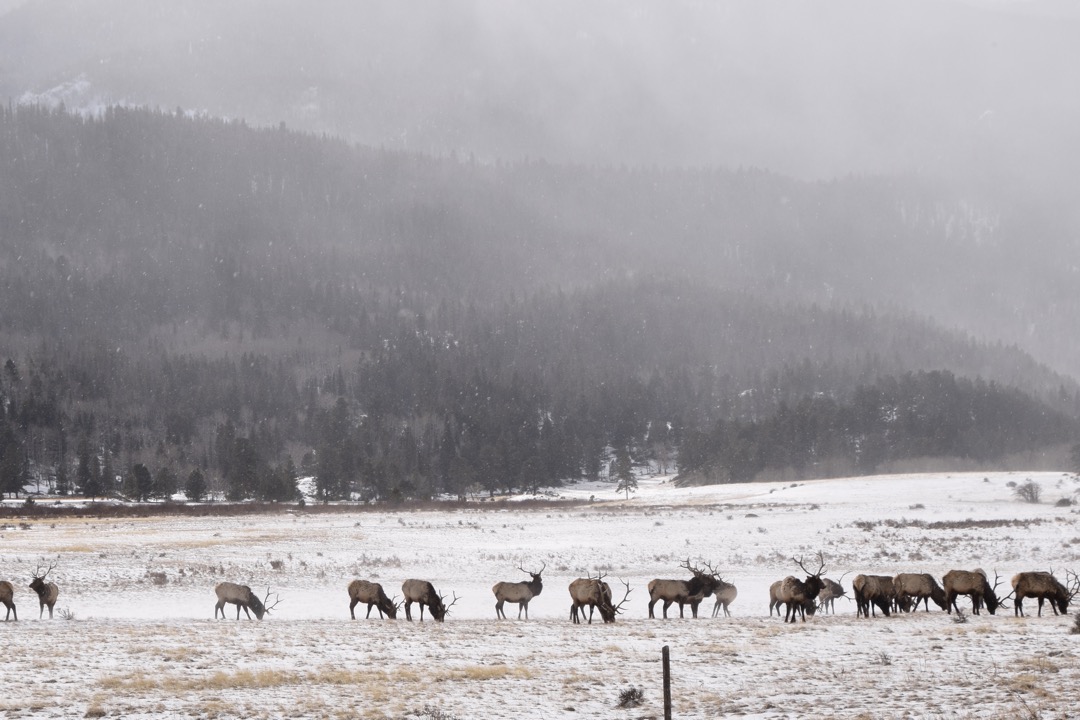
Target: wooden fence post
665, 653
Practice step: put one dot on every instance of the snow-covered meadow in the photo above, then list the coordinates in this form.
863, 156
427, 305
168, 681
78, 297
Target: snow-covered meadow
140, 638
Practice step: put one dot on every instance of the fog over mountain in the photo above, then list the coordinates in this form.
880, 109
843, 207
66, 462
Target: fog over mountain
829, 195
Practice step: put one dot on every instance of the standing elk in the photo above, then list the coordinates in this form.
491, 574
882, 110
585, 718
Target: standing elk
973, 583
809, 606
518, 592
7, 596
873, 591
242, 597
725, 595
684, 592
371, 593
1044, 586
830, 590
920, 586
595, 593
423, 593
46, 592
795, 593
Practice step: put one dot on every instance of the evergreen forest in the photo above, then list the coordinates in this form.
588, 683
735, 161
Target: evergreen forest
189, 304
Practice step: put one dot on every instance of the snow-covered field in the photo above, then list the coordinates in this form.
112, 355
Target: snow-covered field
140, 639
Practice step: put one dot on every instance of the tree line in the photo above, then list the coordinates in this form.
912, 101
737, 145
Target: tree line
195, 305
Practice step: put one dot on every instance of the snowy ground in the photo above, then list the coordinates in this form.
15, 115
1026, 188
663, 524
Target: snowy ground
141, 644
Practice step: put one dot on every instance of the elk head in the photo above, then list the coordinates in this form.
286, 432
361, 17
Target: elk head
708, 579
440, 610
38, 583
260, 607
813, 581
536, 579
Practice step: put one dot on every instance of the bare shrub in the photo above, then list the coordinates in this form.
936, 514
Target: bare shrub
157, 578
960, 618
1064, 502
65, 614
277, 564
1075, 629
1028, 491
631, 697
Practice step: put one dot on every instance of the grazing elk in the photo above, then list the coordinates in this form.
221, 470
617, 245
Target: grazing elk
363, 591
796, 593
920, 586
595, 593
725, 595
1044, 586
7, 596
973, 583
518, 592
684, 592
423, 593
873, 591
809, 606
242, 597
830, 590
46, 592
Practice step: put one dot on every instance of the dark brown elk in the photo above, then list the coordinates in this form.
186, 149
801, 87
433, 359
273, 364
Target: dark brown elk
1043, 586
7, 596
46, 592
595, 593
242, 597
371, 593
809, 606
684, 592
974, 584
725, 595
873, 591
423, 594
518, 592
795, 593
922, 587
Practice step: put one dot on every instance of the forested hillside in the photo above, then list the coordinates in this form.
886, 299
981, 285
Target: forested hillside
188, 299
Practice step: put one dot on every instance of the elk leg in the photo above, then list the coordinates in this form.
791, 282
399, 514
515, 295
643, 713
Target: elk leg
523, 606
667, 604
499, 614
352, 605
408, 610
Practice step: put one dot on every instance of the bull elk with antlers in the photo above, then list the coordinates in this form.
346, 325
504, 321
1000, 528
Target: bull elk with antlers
423, 593
518, 592
371, 593
7, 596
242, 597
684, 592
973, 583
1044, 586
595, 593
795, 593
46, 592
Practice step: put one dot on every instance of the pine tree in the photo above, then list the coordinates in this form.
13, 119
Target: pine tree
624, 471
195, 487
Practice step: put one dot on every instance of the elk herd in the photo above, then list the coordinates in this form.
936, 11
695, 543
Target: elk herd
799, 597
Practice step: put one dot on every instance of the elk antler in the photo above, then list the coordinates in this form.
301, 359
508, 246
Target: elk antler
695, 570
821, 566
268, 608
1073, 581
38, 575
1001, 601
446, 608
618, 608
538, 572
